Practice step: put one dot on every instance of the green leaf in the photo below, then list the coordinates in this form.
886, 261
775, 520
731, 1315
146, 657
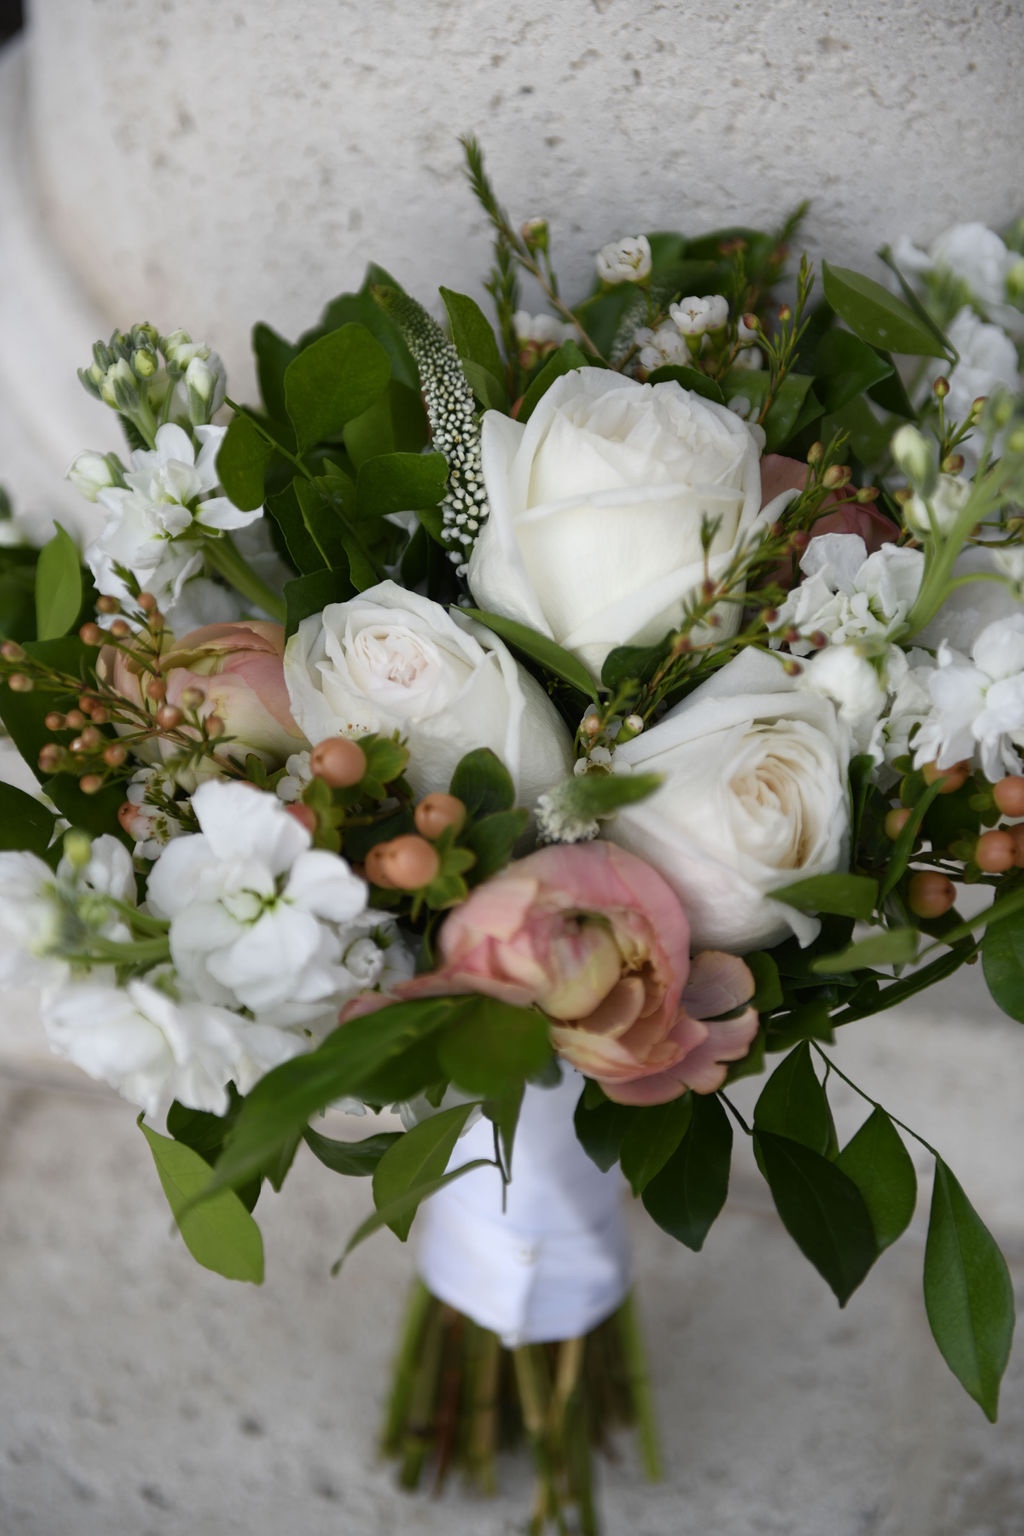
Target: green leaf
332, 381
492, 1045
822, 1210
491, 393
24, 822
323, 524
491, 840
846, 367
689, 378
846, 895
601, 1127
483, 783
903, 846
58, 586
474, 339
768, 989
968, 1293
601, 794
503, 1112
353, 1158
273, 354
312, 594
417, 1159
396, 422
631, 664
890, 946
404, 1205
538, 647
400, 482
880, 1166
242, 463
1002, 960
652, 1136
282, 1102
567, 357
283, 507
793, 1104
689, 1192
795, 404
220, 1234
875, 315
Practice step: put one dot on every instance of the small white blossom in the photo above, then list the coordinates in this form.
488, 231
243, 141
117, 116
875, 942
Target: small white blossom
541, 330
695, 316
625, 261
259, 919
145, 816
937, 513
848, 594
91, 473
842, 674
660, 348
47, 917
907, 674
977, 705
160, 516
296, 776
988, 362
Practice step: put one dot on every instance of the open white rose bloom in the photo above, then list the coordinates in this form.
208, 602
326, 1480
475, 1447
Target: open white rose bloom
526, 765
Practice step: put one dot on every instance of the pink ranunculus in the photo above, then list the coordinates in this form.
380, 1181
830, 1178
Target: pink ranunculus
779, 473
239, 669
596, 938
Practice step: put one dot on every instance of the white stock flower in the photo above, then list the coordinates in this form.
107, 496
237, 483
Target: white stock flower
694, 316
978, 257
847, 594
597, 506
390, 660
91, 473
624, 261
152, 1048
158, 519
977, 705
842, 674
47, 917
258, 918
987, 363
937, 514
754, 797
909, 703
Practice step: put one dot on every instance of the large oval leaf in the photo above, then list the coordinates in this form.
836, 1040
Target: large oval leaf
220, 1234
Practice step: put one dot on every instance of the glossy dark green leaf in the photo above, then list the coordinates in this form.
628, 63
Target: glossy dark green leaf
846, 895
689, 378
1002, 960
273, 354
968, 1293
768, 988
282, 1102
24, 822
880, 1166
220, 1234
601, 1127
283, 507
793, 1103
846, 368
490, 391
689, 1192
503, 1112
491, 840
242, 463
483, 783
549, 653
889, 946
323, 524
822, 1210
400, 482
876, 315
492, 1045
356, 1159
417, 1160
405, 1206
903, 845
396, 422
653, 1135
312, 594
474, 336
565, 360
332, 381
58, 589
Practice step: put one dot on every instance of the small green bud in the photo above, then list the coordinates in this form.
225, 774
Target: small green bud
144, 364
77, 848
916, 456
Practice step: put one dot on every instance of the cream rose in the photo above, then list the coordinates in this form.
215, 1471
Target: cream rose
754, 797
596, 507
389, 660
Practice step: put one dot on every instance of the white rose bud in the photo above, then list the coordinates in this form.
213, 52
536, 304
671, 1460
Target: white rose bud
625, 261
695, 316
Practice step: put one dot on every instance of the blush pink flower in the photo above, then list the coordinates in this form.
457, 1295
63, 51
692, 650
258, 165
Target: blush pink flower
595, 937
779, 473
239, 671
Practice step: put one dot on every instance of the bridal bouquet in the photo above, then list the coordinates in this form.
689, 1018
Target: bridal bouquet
535, 726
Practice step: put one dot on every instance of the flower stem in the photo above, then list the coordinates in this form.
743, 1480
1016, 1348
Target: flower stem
417, 1438
223, 555
640, 1389
420, 1303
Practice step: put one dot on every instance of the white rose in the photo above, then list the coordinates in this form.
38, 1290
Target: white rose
596, 507
390, 660
754, 797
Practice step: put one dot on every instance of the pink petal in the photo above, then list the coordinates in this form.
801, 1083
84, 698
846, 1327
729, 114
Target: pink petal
717, 984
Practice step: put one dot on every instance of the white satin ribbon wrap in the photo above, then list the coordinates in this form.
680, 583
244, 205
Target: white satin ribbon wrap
555, 1262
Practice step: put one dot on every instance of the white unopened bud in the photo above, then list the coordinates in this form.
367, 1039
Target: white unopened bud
917, 456
938, 511
625, 261
92, 472
119, 388
205, 383
694, 315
